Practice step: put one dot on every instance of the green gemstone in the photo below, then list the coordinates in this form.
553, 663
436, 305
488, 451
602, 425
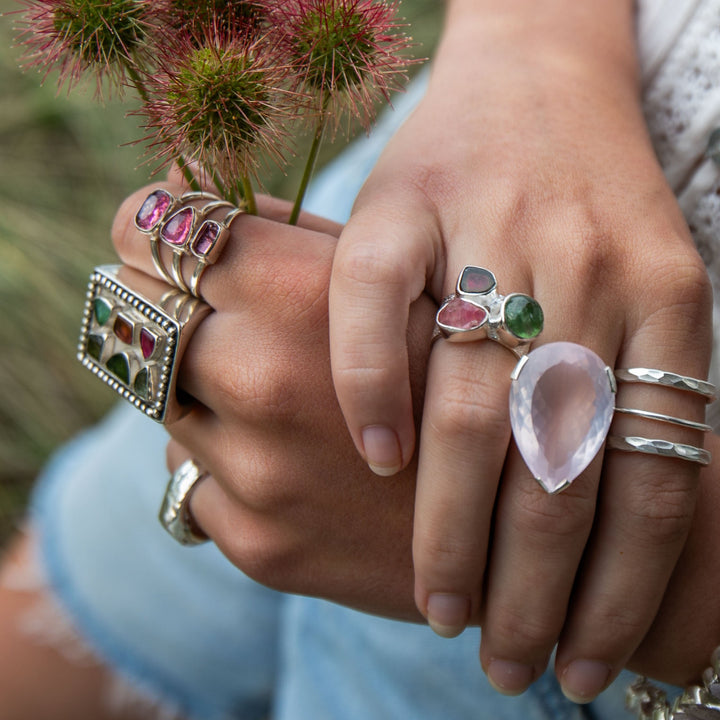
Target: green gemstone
95, 346
102, 309
119, 366
142, 384
523, 317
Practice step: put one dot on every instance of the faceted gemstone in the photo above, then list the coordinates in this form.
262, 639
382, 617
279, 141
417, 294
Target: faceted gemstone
460, 314
476, 280
561, 406
119, 366
148, 341
123, 329
177, 228
152, 210
141, 385
102, 309
206, 238
523, 316
95, 346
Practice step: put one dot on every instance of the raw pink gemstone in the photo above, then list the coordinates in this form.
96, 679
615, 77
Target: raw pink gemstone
178, 227
561, 407
206, 237
153, 209
147, 343
460, 314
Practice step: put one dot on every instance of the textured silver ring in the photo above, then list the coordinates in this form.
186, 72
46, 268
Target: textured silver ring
667, 379
477, 311
660, 417
661, 448
175, 514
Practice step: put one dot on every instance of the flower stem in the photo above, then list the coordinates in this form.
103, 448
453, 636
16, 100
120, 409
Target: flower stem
137, 83
249, 196
309, 166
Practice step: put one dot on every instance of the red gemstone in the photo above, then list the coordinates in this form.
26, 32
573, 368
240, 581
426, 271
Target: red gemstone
123, 329
153, 209
177, 229
476, 280
459, 314
206, 238
147, 343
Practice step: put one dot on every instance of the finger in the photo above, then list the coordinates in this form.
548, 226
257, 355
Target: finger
381, 266
646, 503
251, 236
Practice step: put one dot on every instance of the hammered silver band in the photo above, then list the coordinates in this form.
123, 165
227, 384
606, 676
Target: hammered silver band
175, 514
667, 379
661, 448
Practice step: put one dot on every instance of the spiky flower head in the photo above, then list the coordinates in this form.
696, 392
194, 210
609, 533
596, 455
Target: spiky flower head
349, 53
75, 36
219, 99
194, 16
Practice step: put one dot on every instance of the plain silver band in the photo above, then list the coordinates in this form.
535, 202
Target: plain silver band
667, 379
662, 448
665, 418
174, 512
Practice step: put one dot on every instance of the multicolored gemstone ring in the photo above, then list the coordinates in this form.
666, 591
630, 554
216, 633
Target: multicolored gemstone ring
477, 311
134, 334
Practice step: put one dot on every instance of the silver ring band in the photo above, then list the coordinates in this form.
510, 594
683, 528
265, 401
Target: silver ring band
667, 379
660, 417
661, 448
174, 513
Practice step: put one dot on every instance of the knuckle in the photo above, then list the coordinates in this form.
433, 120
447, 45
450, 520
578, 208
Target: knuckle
448, 562
367, 265
522, 630
462, 413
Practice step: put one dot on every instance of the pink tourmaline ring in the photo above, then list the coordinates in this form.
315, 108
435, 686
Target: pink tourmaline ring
133, 337
477, 311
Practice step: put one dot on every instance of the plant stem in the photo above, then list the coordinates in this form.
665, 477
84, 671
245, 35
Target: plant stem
310, 164
249, 196
137, 82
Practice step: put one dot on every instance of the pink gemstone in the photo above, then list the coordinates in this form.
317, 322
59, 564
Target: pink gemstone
561, 407
206, 237
178, 227
147, 343
153, 209
476, 280
460, 314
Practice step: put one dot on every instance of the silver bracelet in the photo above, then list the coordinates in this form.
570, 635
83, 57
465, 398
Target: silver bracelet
697, 702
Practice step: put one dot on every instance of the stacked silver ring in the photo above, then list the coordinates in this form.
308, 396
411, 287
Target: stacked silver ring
657, 446
175, 514
187, 230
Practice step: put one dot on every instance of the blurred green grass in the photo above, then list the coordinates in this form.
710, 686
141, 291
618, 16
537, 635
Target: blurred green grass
63, 172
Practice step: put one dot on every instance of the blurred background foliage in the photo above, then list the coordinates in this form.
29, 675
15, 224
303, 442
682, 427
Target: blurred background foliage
63, 173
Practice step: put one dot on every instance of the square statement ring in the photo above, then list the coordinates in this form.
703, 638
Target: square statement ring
134, 332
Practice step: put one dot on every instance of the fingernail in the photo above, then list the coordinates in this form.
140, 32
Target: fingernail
382, 450
448, 614
584, 680
508, 677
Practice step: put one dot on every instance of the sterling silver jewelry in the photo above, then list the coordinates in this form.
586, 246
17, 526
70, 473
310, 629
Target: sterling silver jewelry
662, 448
667, 379
660, 417
133, 337
477, 311
697, 702
175, 514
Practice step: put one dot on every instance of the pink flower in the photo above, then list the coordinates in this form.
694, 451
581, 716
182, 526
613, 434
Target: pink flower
219, 99
347, 52
104, 36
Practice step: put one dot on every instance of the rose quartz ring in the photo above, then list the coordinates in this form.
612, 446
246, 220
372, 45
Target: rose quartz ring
187, 230
477, 311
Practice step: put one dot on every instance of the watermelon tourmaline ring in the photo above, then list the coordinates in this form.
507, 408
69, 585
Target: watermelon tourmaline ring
477, 311
134, 333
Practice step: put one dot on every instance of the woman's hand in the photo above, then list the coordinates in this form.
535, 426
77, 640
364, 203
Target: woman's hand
289, 501
528, 156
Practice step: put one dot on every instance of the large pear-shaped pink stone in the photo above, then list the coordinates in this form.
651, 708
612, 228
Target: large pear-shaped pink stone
561, 407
